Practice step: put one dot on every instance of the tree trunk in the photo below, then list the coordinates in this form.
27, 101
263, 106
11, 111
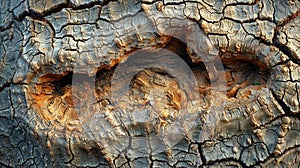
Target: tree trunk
149, 84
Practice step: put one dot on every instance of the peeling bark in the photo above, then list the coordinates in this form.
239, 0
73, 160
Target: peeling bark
149, 83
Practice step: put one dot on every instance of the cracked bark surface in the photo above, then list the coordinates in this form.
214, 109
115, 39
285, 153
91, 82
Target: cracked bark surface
132, 83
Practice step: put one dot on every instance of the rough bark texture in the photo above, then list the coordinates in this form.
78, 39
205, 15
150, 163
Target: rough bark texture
200, 83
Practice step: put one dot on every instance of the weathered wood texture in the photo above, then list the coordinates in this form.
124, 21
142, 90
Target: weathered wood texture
200, 83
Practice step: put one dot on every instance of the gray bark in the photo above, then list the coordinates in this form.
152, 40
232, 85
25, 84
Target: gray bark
134, 83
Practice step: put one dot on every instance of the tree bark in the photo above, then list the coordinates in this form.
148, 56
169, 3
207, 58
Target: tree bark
149, 83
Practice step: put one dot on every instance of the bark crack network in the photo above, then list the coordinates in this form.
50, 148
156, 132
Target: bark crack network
149, 83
